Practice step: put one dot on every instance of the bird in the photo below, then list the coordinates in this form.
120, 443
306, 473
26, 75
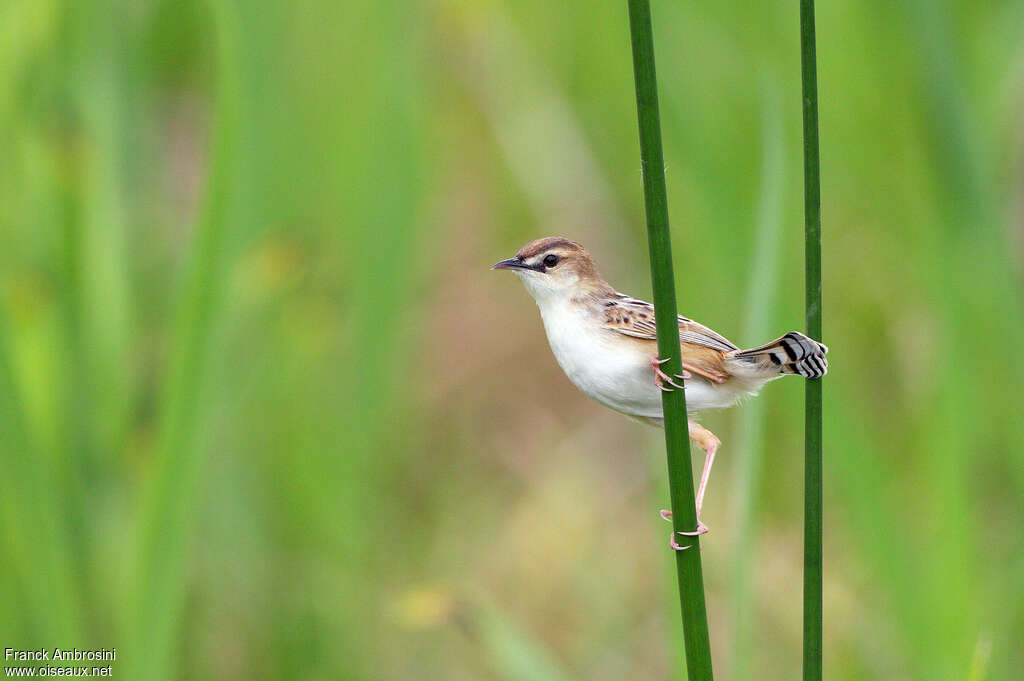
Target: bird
606, 343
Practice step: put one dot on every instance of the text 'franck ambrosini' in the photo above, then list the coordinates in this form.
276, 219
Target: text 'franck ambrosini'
62, 654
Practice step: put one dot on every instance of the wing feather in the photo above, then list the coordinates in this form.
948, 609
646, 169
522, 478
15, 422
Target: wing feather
702, 350
632, 317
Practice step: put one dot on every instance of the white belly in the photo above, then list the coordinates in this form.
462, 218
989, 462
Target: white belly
616, 371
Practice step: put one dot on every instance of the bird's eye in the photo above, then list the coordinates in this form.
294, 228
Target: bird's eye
550, 260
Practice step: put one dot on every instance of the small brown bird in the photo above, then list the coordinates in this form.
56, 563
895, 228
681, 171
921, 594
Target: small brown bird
606, 344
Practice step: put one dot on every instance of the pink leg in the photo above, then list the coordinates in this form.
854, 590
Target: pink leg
660, 377
707, 441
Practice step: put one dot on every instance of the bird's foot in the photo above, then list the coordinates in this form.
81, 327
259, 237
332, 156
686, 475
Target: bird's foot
661, 378
701, 529
675, 546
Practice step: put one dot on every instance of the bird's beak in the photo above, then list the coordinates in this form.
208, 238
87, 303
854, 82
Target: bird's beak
510, 264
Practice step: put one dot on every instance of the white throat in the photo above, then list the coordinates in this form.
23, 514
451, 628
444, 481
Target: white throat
545, 289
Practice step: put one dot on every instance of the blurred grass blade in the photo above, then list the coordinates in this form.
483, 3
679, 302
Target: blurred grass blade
760, 297
688, 564
812, 414
515, 654
167, 510
33, 533
540, 135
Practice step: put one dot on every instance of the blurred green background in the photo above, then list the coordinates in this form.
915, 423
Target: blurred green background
265, 413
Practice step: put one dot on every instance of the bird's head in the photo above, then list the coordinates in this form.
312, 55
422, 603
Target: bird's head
554, 268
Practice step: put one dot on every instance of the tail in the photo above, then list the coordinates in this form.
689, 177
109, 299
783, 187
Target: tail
794, 353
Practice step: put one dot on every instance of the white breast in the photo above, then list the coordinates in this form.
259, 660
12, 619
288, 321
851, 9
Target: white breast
616, 371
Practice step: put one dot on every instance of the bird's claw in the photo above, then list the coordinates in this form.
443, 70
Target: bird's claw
701, 529
661, 378
674, 545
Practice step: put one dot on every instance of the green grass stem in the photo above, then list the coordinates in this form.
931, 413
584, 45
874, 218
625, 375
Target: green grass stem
688, 562
512, 651
761, 297
171, 498
34, 536
812, 412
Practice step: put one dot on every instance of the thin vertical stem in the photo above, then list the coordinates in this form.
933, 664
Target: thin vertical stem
761, 296
812, 423
167, 512
688, 565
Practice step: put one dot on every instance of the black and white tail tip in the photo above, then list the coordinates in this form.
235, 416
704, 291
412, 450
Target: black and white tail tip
794, 353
